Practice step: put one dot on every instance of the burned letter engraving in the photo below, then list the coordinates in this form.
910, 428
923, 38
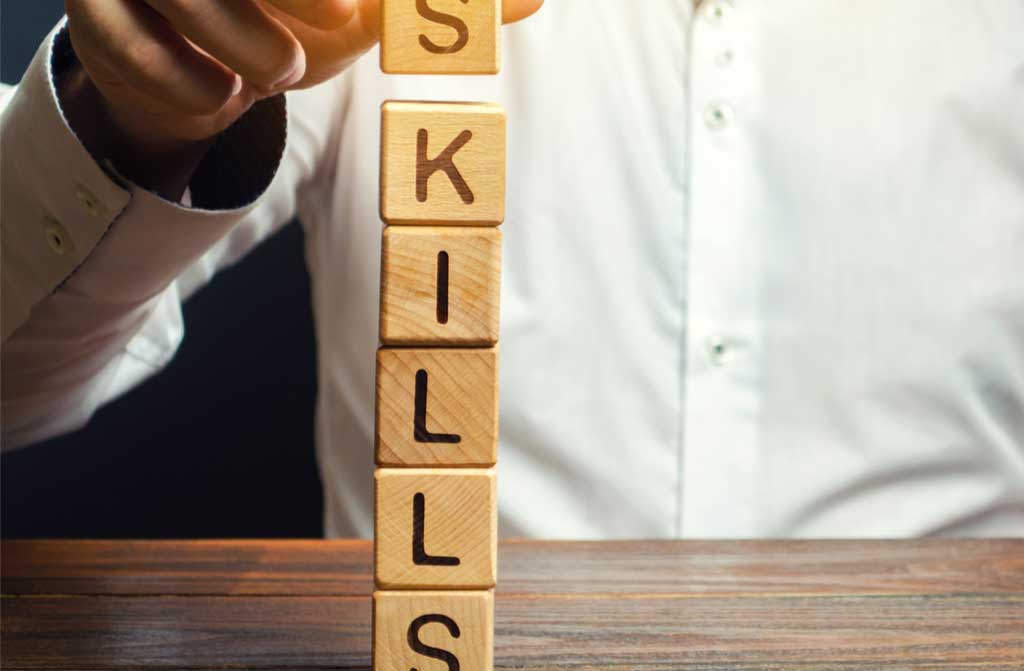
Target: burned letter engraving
413, 637
442, 287
419, 420
419, 521
453, 22
426, 167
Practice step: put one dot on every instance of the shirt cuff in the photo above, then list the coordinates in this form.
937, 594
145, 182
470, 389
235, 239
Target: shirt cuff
65, 215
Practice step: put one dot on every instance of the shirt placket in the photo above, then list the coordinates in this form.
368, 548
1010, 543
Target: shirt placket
720, 417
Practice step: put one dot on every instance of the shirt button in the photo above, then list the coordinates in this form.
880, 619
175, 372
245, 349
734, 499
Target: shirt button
57, 238
718, 350
91, 203
717, 13
717, 115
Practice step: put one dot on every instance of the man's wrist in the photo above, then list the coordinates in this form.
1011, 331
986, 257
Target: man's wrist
163, 166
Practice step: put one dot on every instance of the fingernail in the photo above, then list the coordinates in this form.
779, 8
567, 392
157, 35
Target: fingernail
236, 86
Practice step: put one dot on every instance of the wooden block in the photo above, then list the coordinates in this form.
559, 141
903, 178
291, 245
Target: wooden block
435, 528
440, 37
440, 286
442, 163
437, 407
423, 630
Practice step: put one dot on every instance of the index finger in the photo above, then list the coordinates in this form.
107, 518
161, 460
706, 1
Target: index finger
322, 14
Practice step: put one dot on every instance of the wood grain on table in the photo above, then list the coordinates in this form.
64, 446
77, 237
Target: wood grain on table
928, 604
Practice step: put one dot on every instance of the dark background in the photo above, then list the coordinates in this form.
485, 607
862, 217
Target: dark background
220, 444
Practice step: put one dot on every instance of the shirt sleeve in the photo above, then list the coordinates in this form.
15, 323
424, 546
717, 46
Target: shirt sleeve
94, 268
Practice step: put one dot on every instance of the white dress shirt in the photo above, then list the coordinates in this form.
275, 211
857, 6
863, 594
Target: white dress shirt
763, 268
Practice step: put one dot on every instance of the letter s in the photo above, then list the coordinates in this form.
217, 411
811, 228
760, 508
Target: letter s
453, 22
428, 650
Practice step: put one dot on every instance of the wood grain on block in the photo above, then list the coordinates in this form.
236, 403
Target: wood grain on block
435, 528
437, 407
417, 630
440, 286
440, 37
442, 163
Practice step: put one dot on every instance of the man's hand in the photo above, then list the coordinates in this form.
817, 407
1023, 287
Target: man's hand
169, 75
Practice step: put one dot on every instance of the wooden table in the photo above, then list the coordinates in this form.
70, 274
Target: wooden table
932, 604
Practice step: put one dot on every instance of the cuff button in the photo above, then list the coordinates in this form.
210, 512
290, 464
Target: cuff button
57, 238
89, 201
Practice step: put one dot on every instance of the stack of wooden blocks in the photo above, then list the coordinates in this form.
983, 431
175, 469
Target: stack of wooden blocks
442, 197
